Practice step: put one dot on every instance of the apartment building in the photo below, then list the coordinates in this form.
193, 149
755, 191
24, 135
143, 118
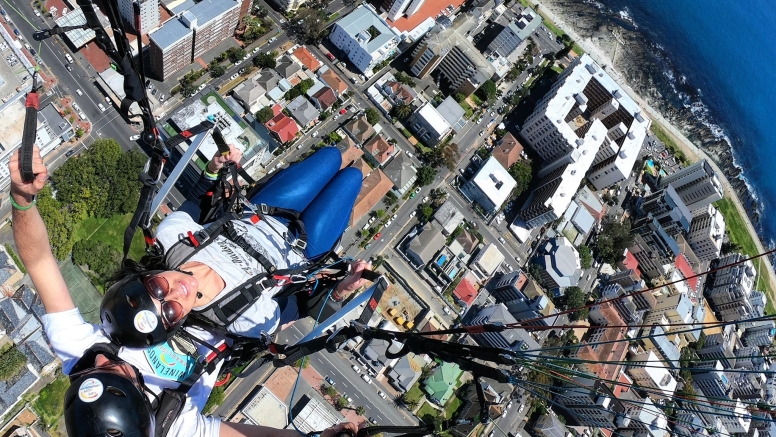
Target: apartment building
586, 98
669, 210
698, 185
490, 187
648, 371
730, 290
652, 246
170, 48
149, 14
365, 37
213, 22
707, 230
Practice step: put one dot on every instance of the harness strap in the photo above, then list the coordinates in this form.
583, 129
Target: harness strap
234, 304
231, 233
30, 129
184, 249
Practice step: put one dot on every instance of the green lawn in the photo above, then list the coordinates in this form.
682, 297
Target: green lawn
671, 145
111, 231
739, 234
556, 69
467, 109
50, 403
452, 406
415, 393
427, 410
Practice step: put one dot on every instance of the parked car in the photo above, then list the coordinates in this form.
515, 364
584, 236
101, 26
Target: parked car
330, 56
79, 92
343, 111
101, 107
134, 138
446, 310
522, 407
366, 378
417, 190
355, 368
393, 217
16, 32
502, 240
377, 236
315, 134
329, 380
413, 214
381, 394
372, 421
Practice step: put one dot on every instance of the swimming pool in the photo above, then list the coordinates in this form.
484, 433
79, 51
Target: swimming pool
441, 260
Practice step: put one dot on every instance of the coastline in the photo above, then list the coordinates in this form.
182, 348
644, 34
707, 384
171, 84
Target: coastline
693, 152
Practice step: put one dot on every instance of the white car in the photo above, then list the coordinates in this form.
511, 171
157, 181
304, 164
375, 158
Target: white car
101, 107
234, 76
381, 394
446, 310
355, 368
256, 49
502, 240
522, 407
388, 223
79, 92
107, 99
413, 214
134, 138
425, 199
367, 379
393, 217
409, 154
315, 134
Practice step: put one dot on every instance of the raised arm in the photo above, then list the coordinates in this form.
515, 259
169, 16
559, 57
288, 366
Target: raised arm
31, 236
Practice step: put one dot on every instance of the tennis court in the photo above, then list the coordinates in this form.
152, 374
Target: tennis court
85, 296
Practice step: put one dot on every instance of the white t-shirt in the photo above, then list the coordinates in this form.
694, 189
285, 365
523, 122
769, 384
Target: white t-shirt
160, 365
235, 266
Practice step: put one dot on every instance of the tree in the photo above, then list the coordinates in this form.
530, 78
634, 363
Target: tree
217, 71
404, 78
614, 238
360, 410
585, 256
574, 298
427, 371
522, 173
444, 154
426, 175
390, 199
487, 91
341, 403
380, 213
730, 247
79, 132
401, 111
426, 212
305, 85
235, 54
512, 74
265, 114
59, 223
459, 97
310, 24
372, 116
266, 60
11, 362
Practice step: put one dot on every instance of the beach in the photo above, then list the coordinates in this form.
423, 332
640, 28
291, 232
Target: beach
692, 152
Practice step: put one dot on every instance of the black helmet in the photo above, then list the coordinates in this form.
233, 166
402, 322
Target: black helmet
129, 316
106, 404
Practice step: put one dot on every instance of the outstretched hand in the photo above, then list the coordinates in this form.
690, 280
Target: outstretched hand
353, 281
219, 160
339, 428
24, 191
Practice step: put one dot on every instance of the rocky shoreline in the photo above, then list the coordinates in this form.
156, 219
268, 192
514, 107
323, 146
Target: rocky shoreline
645, 67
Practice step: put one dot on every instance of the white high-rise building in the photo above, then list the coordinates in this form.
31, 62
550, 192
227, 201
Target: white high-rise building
698, 186
648, 371
584, 98
707, 231
149, 13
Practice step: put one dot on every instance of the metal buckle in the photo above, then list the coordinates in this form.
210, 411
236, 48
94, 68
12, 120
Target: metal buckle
299, 244
264, 208
297, 279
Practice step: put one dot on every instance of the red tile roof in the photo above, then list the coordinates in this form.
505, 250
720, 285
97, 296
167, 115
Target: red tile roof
283, 127
277, 109
307, 59
465, 291
430, 9
686, 270
373, 188
629, 262
325, 97
380, 149
508, 151
334, 82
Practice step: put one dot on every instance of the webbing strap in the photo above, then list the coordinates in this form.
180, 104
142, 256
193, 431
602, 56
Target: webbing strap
238, 239
232, 306
30, 128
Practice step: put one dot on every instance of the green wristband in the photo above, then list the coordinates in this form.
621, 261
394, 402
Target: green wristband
24, 208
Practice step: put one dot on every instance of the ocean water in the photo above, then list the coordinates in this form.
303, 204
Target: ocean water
710, 66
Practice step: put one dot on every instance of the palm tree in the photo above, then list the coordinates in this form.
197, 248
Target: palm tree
360, 410
427, 370
402, 110
411, 404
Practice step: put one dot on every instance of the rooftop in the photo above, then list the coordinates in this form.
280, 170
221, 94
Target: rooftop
508, 150
494, 181
466, 292
266, 409
207, 10
429, 10
561, 261
373, 188
306, 58
303, 111
357, 25
169, 33
434, 119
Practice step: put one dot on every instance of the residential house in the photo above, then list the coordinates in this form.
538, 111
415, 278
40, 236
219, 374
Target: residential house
360, 129
464, 245
402, 172
399, 93
373, 188
283, 128
448, 217
453, 113
508, 151
486, 262
425, 245
307, 59
441, 385
378, 150
303, 111
336, 83
350, 152
405, 372
267, 79
287, 68
465, 292
248, 94
324, 99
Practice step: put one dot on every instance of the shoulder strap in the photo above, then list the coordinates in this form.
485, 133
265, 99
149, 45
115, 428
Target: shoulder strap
186, 248
228, 308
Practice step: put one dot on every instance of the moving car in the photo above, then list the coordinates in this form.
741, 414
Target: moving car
69, 153
79, 92
101, 107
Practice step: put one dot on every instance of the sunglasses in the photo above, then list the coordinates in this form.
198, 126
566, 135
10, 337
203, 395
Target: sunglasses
120, 368
158, 287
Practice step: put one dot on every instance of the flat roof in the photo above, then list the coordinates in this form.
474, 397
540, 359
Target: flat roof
169, 33
494, 181
207, 10
267, 410
434, 118
361, 19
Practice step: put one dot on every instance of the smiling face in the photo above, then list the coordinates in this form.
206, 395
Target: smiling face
183, 289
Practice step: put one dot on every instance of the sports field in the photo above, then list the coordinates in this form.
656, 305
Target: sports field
85, 296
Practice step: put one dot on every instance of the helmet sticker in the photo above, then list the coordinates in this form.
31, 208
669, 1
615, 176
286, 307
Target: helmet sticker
145, 321
90, 390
